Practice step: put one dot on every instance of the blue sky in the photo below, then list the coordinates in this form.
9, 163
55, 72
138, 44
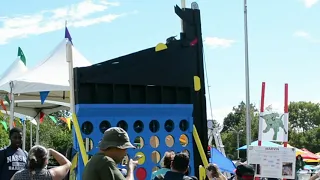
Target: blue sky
284, 40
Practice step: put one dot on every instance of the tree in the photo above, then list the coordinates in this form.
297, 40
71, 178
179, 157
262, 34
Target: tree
4, 137
304, 116
236, 121
309, 139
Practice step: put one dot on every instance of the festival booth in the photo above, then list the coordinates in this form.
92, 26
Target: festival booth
273, 161
45, 88
263, 143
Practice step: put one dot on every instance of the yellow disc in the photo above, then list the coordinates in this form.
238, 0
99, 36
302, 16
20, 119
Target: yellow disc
142, 159
160, 47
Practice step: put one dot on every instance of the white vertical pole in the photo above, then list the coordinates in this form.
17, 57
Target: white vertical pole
248, 118
38, 128
24, 134
183, 6
11, 105
31, 134
71, 80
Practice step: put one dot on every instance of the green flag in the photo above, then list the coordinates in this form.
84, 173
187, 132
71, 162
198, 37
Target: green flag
4, 124
21, 55
53, 119
7, 99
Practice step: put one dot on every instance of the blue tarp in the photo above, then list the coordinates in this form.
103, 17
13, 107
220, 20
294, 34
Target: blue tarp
264, 143
225, 164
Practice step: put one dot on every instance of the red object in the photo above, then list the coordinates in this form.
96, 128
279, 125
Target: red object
194, 42
263, 91
308, 154
286, 108
3, 106
41, 117
209, 148
141, 173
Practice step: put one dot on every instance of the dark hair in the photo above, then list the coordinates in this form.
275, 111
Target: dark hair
14, 130
214, 170
180, 162
38, 155
297, 157
168, 157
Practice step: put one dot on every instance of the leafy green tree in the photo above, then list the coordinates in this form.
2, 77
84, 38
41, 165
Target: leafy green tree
304, 116
4, 137
309, 139
234, 123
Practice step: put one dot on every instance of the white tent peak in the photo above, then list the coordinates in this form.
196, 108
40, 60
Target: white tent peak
16, 69
51, 74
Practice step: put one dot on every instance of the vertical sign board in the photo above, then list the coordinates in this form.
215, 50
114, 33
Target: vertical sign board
273, 162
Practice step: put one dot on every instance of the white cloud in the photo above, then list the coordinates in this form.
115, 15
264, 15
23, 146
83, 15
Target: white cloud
310, 3
301, 34
215, 42
306, 35
77, 15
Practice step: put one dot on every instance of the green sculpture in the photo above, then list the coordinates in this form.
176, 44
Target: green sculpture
274, 122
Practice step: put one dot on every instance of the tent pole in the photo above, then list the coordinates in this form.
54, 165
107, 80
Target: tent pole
71, 79
38, 128
30, 134
24, 134
11, 105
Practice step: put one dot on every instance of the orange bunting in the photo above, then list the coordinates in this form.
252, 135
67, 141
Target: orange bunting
3, 106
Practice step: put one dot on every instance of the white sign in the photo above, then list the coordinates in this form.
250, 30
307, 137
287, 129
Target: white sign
273, 127
273, 162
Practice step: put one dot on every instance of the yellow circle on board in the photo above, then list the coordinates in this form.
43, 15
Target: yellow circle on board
142, 159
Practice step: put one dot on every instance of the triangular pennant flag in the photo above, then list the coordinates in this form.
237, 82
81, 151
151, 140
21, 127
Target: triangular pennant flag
3, 106
69, 123
43, 96
22, 56
41, 117
5, 126
53, 119
22, 120
18, 119
7, 98
33, 121
63, 119
67, 35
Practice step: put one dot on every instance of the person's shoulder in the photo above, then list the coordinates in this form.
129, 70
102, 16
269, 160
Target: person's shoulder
3, 148
100, 160
20, 174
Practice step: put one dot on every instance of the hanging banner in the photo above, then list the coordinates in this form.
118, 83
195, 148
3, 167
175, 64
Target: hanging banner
273, 162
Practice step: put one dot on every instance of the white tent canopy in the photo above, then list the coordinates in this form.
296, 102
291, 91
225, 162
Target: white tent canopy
32, 108
22, 116
16, 69
52, 74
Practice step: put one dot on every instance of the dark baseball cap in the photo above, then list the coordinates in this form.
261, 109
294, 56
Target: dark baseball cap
115, 137
244, 170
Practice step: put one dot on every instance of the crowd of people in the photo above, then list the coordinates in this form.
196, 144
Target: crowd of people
17, 164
